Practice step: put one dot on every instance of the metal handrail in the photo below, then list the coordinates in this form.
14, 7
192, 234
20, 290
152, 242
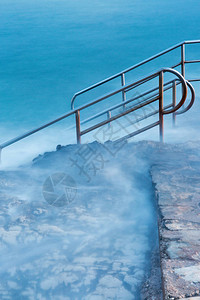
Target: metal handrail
161, 108
126, 102
122, 73
184, 86
110, 109
172, 108
191, 101
133, 85
75, 111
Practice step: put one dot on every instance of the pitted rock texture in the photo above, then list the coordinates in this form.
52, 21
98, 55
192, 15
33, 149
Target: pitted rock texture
177, 181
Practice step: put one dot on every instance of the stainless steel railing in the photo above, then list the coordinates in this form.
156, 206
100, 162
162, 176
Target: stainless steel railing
182, 62
150, 97
147, 101
77, 111
167, 86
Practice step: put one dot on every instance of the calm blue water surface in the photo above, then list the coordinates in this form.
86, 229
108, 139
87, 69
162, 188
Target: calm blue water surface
51, 49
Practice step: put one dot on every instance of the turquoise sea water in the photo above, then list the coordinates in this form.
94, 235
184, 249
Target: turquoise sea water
51, 49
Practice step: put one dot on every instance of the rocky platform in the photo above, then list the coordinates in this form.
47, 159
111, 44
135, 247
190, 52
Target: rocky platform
176, 175
52, 249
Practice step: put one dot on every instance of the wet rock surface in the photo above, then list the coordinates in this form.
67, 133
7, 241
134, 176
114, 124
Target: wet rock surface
94, 245
54, 251
177, 182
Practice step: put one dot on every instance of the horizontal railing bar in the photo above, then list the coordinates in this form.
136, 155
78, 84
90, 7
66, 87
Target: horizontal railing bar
124, 88
132, 68
139, 83
138, 120
150, 114
143, 81
175, 66
190, 80
115, 107
118, 116
132, 85
28, 133
12, 141
125, 71
127, 102
142, 95
138, 131
146, 80
143, 104
193, 80
192, 42
192, 61
154, 89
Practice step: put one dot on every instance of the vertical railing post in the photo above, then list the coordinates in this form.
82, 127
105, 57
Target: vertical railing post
123, 92
183, 60
161, 79
174, 101
78, 127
